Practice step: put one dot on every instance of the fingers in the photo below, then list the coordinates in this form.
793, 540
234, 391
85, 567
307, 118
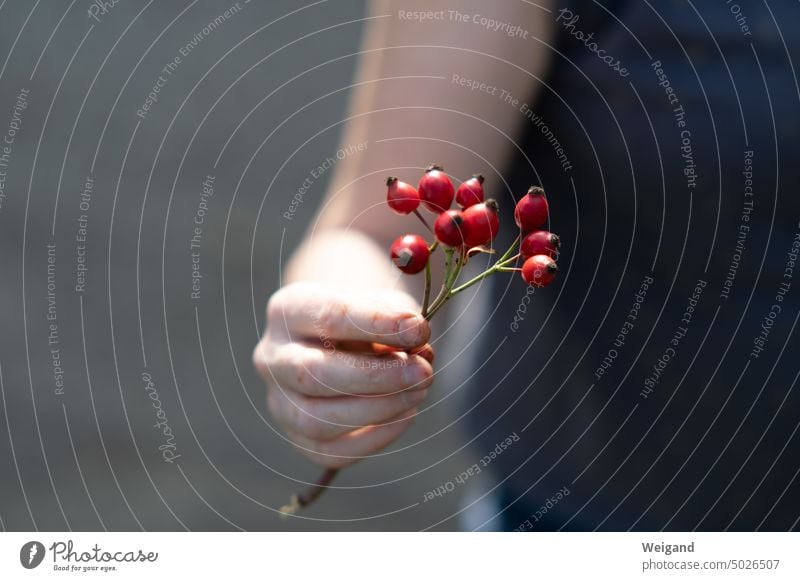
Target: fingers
317, 312
424, 351
319, 372
324, 419
354, 446
347, 372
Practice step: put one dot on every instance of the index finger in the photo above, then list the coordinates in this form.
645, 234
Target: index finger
320, 313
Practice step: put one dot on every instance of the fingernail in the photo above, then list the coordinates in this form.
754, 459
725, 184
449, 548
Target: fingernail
414, 375
410, 329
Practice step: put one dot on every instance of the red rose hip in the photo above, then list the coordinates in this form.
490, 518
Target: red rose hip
436, 190
539, 270
540, 242
481, 223
450, 228
410, 253
470, 192
403, 198
531, 211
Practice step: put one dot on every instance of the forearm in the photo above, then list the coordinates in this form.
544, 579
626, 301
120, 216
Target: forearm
407, 96
409, 111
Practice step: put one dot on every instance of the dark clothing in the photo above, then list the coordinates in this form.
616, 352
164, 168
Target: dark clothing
681, 414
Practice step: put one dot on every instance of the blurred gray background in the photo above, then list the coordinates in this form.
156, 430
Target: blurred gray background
86, 456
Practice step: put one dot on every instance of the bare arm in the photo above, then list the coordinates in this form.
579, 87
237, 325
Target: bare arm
321, 354
396, 98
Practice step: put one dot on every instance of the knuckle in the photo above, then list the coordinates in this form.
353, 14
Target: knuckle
307, 376
332, 315
275, 304
276, 373
258, 357
293, 368
263, 360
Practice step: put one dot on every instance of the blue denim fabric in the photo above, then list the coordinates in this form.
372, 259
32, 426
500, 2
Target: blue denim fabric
641, 206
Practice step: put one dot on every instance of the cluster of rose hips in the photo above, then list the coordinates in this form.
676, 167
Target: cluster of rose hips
461, 232
471, 227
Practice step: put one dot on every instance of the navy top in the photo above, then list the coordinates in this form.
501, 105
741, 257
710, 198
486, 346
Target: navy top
653, 385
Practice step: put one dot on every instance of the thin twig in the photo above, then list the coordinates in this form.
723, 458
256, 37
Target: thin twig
426, 297
450, 280
511, 248
306, 498
448, 263
423, 220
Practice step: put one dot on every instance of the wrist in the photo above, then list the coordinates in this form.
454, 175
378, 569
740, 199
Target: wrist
344, 258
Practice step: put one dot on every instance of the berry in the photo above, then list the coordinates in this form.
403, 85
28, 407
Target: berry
481, 223
401, 197
540, 242
436, 189
450, 228
410, 253
470, 192
539, 270
531, 211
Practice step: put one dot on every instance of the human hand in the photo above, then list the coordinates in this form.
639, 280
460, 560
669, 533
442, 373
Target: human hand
345, 371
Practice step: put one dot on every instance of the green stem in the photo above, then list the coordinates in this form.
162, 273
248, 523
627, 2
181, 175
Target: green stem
459, 267
499, 266
503, 262
423, 220
510, 248
427, 296
470, 282
448, 264
449, 282
453, 271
